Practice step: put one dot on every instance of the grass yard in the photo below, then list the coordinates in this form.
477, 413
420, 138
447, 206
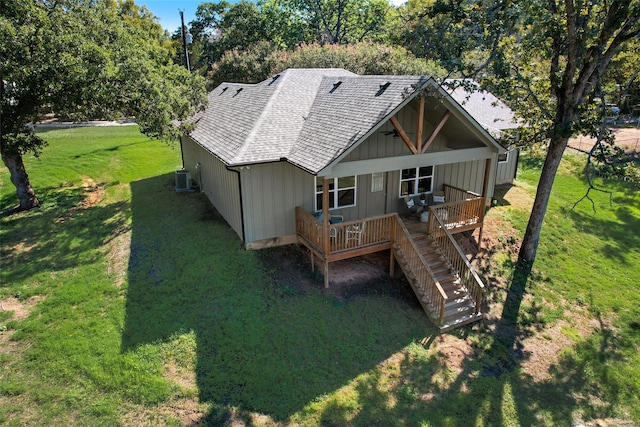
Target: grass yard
125, 303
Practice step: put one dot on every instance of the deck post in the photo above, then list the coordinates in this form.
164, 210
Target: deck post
485, 192
392, 252
325, 229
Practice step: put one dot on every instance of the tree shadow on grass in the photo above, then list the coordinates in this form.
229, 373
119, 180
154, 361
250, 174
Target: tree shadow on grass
260, 347
81, 226
618, 235
486, 388
273, 349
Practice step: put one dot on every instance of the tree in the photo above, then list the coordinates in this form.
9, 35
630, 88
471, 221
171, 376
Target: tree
547, 59
338, 21
84, 59
575, 41
264, 59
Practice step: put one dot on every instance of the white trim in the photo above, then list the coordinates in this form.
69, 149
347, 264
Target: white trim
416, 179
334, 193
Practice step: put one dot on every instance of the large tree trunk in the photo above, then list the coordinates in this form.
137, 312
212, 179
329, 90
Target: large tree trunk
529, 247
20, 179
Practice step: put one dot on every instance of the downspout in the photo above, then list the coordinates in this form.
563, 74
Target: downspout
182, 151
241, 203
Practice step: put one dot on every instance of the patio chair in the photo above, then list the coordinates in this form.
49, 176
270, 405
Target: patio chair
438, 197
411, 205
333, 219
354, 233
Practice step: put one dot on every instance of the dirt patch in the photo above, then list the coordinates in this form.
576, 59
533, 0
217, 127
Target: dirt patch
350, 278
117, 259
92, 195
627, 138
20, 309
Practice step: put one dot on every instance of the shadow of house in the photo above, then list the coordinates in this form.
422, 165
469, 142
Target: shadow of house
258, 348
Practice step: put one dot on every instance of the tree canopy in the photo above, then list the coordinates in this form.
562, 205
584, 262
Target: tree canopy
85, 59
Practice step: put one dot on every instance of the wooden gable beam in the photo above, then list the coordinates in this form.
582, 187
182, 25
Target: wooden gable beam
403, 134
436, 131
420, 125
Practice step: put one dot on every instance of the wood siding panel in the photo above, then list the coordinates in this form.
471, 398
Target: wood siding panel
220, 185
465, 175
506, 171
271, 193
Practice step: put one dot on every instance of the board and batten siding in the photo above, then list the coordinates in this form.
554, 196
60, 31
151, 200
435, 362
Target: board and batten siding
271, 192
506, 171
220, 185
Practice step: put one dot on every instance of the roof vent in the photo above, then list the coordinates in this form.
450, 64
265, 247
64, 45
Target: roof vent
238, 91
273, 79
382, 88
336, 85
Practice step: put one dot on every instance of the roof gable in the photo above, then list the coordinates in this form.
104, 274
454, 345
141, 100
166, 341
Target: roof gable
309, 117
345, 111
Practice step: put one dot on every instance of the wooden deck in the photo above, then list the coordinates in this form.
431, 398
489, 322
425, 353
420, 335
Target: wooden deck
444, 282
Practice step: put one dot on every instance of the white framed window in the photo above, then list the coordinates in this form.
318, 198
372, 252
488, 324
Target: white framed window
377, 182
415, 181
342, 192
503, 158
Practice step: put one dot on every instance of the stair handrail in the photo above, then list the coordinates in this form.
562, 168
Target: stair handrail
416, 253
454, 256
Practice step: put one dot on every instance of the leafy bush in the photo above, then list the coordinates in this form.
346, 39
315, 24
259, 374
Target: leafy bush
264, 59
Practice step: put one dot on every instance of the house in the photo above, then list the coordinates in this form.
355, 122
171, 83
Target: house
493, 115
318, 156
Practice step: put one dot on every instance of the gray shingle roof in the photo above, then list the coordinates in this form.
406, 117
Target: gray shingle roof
490, 112
308, 116
342, 116
259, 123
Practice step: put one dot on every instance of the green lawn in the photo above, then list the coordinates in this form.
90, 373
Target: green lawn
138, 306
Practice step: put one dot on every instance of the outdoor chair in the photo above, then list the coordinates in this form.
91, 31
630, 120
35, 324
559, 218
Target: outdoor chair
354, 233
438, 197
411, 205
333, 219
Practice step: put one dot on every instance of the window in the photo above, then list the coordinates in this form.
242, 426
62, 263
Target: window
377, 182
342, 192
415, 181
502, 158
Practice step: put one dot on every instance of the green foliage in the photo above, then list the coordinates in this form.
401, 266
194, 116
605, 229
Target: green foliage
264, 59
86, 59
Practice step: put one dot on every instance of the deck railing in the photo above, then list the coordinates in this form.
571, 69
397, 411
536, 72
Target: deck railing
418, 272
308, 227
345, 236
460, 214
456, 194
456, 258
351, 235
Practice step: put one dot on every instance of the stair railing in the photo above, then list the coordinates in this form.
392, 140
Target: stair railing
417, 270
456, 258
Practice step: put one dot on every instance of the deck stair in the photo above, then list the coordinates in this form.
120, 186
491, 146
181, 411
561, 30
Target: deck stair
444, 281
459, 307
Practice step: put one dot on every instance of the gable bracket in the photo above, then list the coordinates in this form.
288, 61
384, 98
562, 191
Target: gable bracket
420, 124
436, 131
403, 134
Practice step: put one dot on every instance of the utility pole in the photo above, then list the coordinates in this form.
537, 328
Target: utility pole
184, 41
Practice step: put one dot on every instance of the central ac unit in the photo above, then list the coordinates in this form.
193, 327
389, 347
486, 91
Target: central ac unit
183, 180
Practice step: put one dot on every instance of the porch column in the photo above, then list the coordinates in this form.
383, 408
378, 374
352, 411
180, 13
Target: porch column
325, 229
485, 193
